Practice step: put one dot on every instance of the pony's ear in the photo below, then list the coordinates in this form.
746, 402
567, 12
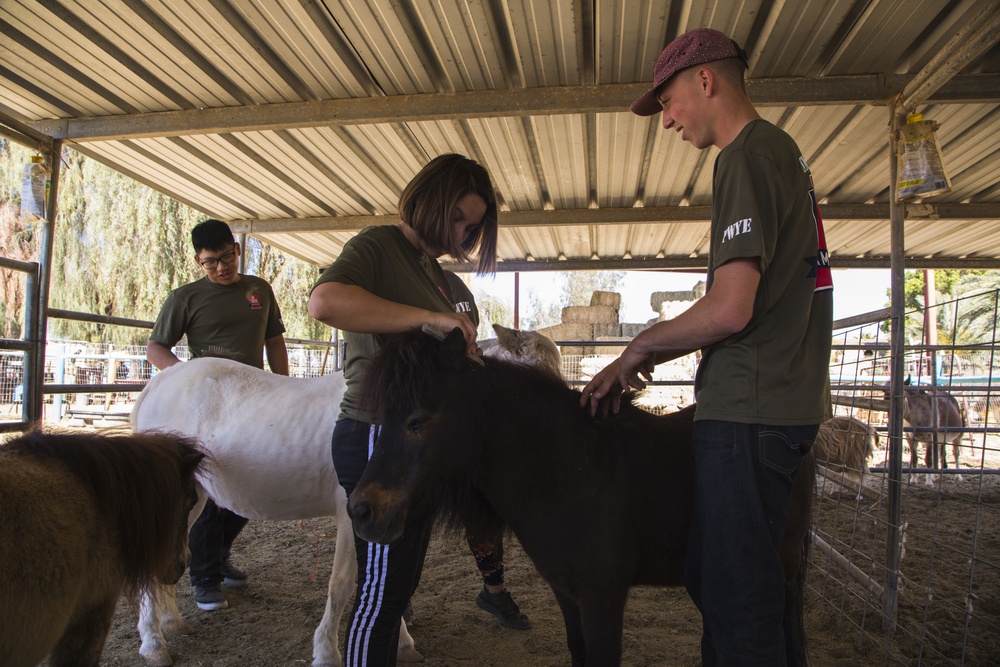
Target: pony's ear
509, 339
455, 341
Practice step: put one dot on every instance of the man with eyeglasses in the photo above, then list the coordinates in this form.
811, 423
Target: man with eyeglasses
223, 314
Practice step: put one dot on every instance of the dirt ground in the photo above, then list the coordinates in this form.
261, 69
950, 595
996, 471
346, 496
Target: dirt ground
270, 622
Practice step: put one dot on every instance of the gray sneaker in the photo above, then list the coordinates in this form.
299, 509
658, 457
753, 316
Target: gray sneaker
209, 597
502, 606
233, 576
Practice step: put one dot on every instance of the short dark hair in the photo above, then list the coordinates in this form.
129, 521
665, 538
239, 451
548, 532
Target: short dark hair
211, 235
732, 69
429, 199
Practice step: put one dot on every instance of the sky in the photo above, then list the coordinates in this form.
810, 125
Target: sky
855, 291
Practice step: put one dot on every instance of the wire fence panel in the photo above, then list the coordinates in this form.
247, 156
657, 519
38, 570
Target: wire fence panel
948, 606
82, 366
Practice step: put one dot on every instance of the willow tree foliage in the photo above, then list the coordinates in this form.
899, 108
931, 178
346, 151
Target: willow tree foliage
18, 240
492, 310
292, 280
120, 247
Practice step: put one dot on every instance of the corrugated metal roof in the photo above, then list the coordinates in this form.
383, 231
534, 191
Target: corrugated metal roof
301, 121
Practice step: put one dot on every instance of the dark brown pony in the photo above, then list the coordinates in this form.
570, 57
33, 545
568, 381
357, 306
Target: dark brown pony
598, 506
84, 517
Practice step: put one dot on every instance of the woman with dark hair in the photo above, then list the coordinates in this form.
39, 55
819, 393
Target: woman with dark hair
387, 280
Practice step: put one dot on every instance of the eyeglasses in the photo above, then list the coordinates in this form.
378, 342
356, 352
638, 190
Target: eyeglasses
213, 262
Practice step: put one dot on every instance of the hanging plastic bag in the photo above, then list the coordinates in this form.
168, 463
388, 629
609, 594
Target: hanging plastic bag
920, 166
35, 188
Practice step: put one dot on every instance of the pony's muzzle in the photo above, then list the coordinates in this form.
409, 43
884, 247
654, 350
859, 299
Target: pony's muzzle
373, 525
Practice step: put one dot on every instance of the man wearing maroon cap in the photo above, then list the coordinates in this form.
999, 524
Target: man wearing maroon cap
764, 329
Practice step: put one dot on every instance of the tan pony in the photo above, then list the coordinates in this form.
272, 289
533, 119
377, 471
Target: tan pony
84, 517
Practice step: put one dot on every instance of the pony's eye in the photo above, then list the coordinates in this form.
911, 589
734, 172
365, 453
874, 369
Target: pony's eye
417, 422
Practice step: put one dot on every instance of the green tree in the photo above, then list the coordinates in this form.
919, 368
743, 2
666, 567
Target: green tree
539, 315
18, 238
19, 241
119, 248
946, 283
292, 281
979, 306
579, 286
492, 310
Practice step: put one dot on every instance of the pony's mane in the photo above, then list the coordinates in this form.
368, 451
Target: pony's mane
395, 376
138, 482
462, 509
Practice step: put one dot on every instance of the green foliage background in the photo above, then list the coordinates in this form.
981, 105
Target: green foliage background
119, 248
961, 319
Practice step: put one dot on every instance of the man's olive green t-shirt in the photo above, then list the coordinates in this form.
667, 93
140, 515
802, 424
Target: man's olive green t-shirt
383, 262
229, 321
776, 370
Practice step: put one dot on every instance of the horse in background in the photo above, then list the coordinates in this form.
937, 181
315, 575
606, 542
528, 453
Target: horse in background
84, 517
935, 430
598, 505
269, 438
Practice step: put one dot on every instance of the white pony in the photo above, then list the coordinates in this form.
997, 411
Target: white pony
269, 439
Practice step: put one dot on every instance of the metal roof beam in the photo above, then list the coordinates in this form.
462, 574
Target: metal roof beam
701, 263
20, 133
970, 42
607, 98
618, 216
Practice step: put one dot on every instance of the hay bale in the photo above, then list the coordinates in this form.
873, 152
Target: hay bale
589, 315
569, 331
613, 299
657, 299
606, 331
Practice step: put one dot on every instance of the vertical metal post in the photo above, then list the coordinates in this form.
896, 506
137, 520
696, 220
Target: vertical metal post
517, 299
30, 381
242, 240
338, 351
931, 340
893, 549
44, 279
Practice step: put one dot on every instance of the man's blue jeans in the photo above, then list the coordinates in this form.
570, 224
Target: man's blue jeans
743, 479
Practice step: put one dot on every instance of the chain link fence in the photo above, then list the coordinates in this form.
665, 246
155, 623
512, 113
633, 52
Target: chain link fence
96, 365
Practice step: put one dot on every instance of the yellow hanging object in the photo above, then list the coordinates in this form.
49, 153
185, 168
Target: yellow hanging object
35, 184
920, 171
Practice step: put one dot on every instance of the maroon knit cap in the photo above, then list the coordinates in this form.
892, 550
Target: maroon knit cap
695, 47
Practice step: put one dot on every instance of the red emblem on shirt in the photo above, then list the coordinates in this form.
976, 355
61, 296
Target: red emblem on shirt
254, 301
